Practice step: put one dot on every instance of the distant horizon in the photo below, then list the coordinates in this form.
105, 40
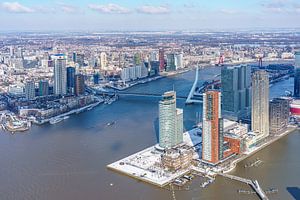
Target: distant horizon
238, 30
177, 15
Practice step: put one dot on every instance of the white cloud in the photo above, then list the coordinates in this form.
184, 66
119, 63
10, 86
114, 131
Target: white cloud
148, 9
109, 8
281, 6
228, 11
16, 7
66, 8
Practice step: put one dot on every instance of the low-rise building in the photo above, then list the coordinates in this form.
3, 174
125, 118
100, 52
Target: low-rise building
177, 158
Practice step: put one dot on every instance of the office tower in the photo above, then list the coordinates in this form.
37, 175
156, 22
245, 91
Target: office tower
212, 130
161, 59
179, 61
70, 80
79, 84
74, 57
103, 60
60, 75
96, 78
43, 88
80, 59
260, 104
279, 114
297, 75
154, 68
236, 91
30, 90
171, 65
153, 56
170, 121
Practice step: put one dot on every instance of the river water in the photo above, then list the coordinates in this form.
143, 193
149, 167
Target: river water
68, 160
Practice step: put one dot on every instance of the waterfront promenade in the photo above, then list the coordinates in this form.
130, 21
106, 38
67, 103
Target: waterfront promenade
143, 165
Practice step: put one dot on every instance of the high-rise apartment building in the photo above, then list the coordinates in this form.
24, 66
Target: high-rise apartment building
279, 114
137, 59
236, 91
80, 59
60, 74
30, 90
43, 88
161, 57
79, 84
170, 121
179, 61
171, 62
260, 103
103, 60
70, 80
212, 129
297, 75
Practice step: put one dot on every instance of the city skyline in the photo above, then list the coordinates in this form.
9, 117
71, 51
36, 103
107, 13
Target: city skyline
155, 15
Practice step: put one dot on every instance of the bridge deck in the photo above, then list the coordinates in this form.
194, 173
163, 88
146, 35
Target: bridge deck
254, 184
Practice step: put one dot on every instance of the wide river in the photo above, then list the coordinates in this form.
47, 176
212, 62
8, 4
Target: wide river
68, 160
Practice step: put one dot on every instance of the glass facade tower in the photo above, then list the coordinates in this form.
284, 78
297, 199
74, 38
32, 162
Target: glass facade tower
260, 103
170, 121
236, 91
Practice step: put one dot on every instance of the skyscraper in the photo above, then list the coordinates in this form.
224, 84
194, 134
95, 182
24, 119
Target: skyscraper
29, 90
103, 60
236, 91
171, 65
297, 75
70, 80
161, 58
43, 88
212, 130
260, 103
60, 75
96, 78
79, 84
170, 121
279, 114
179, 61
80, 59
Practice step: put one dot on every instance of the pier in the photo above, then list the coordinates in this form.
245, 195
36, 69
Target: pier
253, 183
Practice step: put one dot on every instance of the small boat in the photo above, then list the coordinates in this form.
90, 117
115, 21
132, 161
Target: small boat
110, 123
55, 120
66, 117
90, 108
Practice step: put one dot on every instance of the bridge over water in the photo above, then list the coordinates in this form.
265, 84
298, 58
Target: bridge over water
136, 94
253, 183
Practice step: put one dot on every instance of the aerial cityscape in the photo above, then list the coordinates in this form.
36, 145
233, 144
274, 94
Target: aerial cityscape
135, 106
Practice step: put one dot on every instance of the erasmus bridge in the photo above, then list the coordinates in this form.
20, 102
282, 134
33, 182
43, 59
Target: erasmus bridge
194, 96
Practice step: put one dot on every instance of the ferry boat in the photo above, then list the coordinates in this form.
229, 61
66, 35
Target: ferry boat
55, 120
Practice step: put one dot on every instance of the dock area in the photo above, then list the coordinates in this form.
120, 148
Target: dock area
145, 165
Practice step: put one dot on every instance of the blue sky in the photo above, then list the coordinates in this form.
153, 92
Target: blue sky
148, 15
